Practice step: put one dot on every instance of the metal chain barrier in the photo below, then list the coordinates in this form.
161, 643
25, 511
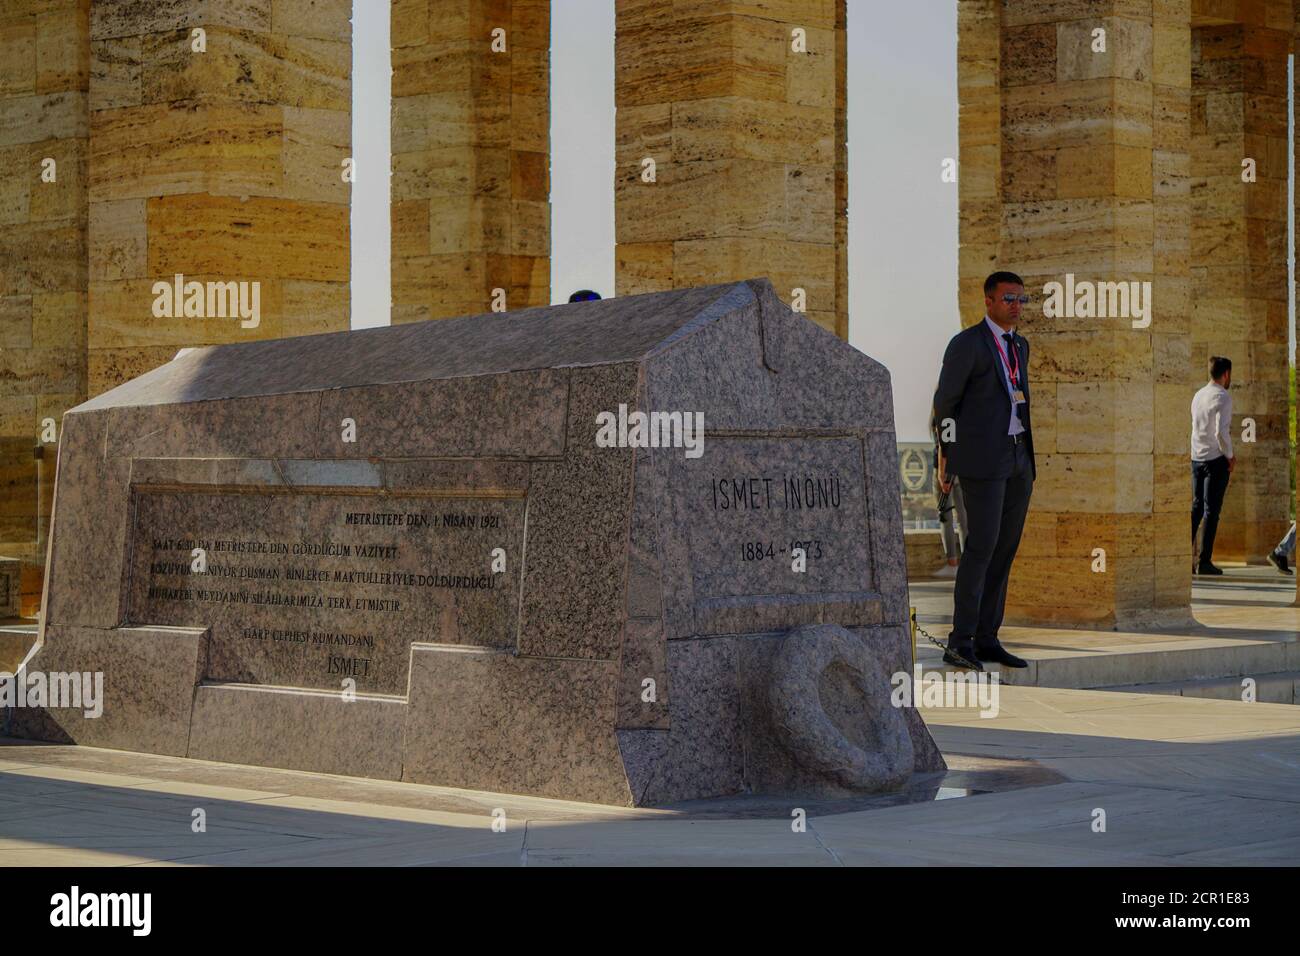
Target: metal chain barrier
939, 644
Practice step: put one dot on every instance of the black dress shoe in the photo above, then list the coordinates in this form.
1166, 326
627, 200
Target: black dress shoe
969, 661
997, 654
1208, 569
1279, 562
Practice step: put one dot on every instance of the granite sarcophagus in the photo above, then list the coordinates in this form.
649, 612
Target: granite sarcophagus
633, 551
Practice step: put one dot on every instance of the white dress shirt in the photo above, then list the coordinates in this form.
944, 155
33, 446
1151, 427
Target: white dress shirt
1015, 426
1211, 423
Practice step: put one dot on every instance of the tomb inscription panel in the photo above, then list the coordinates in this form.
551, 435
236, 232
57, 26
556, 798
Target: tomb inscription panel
754, 500
308, 589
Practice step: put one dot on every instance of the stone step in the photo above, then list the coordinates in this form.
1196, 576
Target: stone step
287, 727
1279, 688
1090, 665
1153, 664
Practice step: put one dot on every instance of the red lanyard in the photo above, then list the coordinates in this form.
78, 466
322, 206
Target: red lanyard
1012, 370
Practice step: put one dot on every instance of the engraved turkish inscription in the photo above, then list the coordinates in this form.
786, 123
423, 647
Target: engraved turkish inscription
755, 500
308, 589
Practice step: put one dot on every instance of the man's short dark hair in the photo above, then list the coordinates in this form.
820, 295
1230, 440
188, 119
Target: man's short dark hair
1219, 365
997, 278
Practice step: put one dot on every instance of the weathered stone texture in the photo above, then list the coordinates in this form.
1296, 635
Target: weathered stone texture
1075, 160
224, 165
471, 156
1125, 164
44, 74
749, 140
1238, 264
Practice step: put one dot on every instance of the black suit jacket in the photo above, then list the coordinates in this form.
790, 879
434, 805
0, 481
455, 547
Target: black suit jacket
973, 392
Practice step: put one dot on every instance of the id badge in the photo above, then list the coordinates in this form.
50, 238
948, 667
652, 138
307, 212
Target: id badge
1018, 397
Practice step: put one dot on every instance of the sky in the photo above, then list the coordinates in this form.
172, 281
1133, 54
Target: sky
902, 218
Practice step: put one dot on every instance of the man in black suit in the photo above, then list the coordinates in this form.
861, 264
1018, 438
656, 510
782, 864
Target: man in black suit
981, 410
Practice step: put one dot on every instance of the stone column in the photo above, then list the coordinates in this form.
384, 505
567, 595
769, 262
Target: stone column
218, 132
979, 139
1094, 161
740, 106
471, 153
43, 127
1239, 264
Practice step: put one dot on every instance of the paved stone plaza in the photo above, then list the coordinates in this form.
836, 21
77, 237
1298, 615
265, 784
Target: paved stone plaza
1182, 780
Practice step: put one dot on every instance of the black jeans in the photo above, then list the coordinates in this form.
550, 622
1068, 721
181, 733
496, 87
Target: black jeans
996, 508
1209, 483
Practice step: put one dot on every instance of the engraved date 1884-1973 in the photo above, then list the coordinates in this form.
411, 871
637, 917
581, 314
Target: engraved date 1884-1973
768, 551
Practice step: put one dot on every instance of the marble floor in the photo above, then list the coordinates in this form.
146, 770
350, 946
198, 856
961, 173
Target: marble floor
1245, 623
1180, 782
1176, 780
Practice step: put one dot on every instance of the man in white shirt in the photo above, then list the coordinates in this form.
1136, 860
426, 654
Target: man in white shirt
1212, 460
